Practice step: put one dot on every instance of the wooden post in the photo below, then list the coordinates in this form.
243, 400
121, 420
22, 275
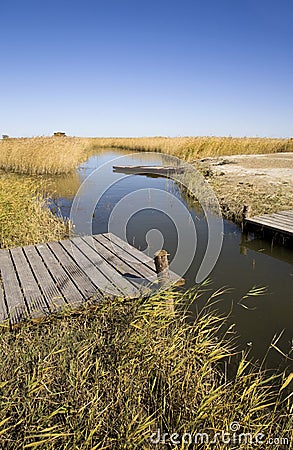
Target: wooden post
162, 267
245, 215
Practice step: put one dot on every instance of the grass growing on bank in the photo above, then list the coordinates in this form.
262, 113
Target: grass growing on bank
59, 155
24, 216
42, 155
110, 375
49, 155
190, 148
264, 198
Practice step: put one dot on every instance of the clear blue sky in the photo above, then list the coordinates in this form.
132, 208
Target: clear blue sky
144, 68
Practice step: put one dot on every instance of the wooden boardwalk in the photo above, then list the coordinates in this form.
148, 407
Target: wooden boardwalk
39, 279
277, 225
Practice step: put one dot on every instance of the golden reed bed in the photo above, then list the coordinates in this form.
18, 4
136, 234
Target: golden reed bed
55, 155
190, 148
24, 216
41, 155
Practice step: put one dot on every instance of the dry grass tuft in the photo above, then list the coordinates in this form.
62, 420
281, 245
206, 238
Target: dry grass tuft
110, 375
190, 148
42, 155
55, 155
24, 217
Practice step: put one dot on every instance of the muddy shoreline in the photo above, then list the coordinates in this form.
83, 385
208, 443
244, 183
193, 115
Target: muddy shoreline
265, 182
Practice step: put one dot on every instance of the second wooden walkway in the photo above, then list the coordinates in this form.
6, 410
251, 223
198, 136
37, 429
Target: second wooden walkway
277, 225
39, 279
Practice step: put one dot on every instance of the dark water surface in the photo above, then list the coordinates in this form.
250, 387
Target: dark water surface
240, 267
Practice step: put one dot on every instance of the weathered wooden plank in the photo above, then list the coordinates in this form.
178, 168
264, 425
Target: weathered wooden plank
62, 280
124, 269
93, 273
270, 227
84, 284
17, 308
113, 249
36, 303
269, 224
268, 217
35, 280
286, 213
3, 308
123, 285
273, 221
280, 215
275, 224
283, 219
137, 254
46, 283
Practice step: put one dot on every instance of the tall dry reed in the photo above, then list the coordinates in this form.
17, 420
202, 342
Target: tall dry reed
190, 148
42, 155
111, 375
56, 155
24, 216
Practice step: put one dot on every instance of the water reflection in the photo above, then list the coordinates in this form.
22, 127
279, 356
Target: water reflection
266, 247
63, 186
241, 265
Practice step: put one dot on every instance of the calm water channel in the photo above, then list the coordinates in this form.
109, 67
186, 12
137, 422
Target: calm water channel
240, 266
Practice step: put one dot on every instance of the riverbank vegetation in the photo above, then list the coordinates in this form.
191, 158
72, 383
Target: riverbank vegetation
61, 155
24, 216
112, 374
191, 148
55, 155
232, 192
263, 182
261, 196
42, 155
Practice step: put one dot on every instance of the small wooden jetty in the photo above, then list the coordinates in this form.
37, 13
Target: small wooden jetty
39, 279
277, 226
149, 170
